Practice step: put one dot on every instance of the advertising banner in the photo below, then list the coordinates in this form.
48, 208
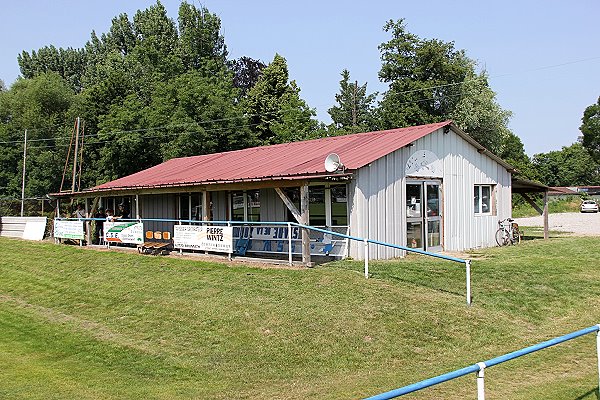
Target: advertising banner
69, 229
124, 232
207, 238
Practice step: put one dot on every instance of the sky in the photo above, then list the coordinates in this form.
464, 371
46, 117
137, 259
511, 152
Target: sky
542, 57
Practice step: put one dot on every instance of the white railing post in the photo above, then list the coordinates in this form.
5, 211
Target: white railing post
289, 226
366, 258
468, 271
598, 351
229, 257
481, 381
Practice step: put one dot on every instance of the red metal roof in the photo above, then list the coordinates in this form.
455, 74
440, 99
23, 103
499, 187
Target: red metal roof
281, 161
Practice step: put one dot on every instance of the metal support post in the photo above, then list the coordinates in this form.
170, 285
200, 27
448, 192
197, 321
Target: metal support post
289, 227
229, 254
480, 381
598, 351
366, 258
468, 270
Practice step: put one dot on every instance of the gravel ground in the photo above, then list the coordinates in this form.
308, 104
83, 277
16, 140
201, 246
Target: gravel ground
580, 224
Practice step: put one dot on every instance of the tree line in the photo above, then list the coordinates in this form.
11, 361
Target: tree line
152, 88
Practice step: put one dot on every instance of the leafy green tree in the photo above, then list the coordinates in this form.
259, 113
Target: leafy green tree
424, 78
590, 128
571, 166
200, 37
68, 63
40, 105
354, 111
513, 152
275, 110
478, 114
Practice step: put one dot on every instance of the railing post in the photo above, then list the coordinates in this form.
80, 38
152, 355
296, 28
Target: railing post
468, 273
598, 351
289, 227
481, 381
229, 257
366, 258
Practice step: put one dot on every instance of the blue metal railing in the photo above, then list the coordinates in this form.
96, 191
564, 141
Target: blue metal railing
366, 242
479, 367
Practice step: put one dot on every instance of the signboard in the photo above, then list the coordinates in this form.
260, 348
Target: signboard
68, 229
275, 239
206, 237
34, 229
424, 163
124, 232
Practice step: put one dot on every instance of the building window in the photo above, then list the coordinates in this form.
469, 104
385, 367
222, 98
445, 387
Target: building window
253, 203
190, 207
482, 199
339, 206
245, 206
318, 207
316, 213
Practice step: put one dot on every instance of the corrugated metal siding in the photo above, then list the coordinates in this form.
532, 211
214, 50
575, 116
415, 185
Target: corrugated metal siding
272, 207
379, 202
160, 206
220, 205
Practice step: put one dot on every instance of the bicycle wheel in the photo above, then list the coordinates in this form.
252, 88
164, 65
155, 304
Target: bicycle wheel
502, 237
516, 235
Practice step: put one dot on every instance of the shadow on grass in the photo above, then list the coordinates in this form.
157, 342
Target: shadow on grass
589, 394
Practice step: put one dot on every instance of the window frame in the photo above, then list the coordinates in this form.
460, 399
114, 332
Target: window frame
478, 193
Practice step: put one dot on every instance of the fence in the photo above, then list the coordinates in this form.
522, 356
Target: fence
480, 367
287, 236
32, 207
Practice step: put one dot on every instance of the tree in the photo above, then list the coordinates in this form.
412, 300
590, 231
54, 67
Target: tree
354, 110
41, 105
200, 37
590, 128
246, 72
424, 78
571, 166
68, 63
274, 108
477, 113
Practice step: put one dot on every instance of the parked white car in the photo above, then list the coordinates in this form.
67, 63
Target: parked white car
589, 206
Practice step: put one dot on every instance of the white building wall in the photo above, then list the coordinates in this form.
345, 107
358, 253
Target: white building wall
377, 197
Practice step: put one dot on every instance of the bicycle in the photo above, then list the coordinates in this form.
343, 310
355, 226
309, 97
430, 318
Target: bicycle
508, 232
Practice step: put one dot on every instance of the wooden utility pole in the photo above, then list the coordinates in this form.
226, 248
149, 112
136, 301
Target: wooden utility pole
354, 103
23, 181
75, 155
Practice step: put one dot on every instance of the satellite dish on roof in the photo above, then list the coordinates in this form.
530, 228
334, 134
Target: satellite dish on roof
333, 163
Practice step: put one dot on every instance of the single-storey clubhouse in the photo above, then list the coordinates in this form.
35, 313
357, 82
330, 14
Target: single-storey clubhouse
430, 187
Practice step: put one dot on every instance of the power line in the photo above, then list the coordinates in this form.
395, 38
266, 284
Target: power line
198, 123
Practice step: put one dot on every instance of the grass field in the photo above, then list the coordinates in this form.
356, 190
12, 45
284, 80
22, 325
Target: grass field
78, 323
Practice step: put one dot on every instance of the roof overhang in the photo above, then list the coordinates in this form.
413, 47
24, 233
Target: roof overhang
520, 185
217, 185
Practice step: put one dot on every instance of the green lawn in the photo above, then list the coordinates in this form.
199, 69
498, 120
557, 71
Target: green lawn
88, 324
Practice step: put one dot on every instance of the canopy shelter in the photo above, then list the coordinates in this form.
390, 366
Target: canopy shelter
524, 187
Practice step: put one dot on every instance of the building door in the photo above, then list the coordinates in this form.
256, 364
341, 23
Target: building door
423, 215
